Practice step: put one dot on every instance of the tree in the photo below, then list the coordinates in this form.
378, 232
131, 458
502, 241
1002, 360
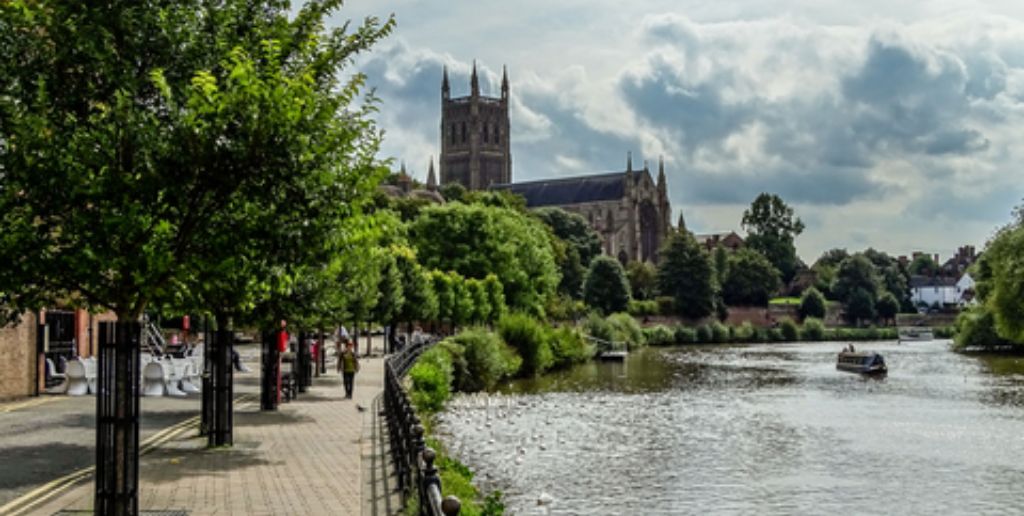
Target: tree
476, 240
495, 297
812, 304
420, 298
721, 261
923, 265
138, 143
392, 296
771, 229
643, 279
861, 306
685, 274
832, 258
751, 279
887, 307
606, 288
1004, 282
855, 273
581, 245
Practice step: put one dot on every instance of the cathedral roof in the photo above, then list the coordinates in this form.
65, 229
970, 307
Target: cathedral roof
570, 190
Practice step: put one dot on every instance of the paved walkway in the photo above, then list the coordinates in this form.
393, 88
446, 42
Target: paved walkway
306, 458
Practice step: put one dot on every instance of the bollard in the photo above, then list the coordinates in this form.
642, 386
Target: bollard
451, 506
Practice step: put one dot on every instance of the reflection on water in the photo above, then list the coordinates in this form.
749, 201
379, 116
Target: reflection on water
762, 429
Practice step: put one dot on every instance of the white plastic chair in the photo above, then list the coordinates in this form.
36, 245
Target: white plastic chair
153, 379
78, 383
51, 372
173, 375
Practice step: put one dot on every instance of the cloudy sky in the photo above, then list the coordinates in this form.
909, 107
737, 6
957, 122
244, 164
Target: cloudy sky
897, 125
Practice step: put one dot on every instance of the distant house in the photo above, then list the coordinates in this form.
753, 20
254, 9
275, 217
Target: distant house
730, 240
941, 290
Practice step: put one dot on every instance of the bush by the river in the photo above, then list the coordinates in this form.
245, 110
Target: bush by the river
529, 338
569, 347
487, 359
641, 308
660, 335
789, 329
813, 329
431, 380
685, 335
976, 329
627, 330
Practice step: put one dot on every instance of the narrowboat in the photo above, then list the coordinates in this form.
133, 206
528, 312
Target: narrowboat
863, 362
915, 333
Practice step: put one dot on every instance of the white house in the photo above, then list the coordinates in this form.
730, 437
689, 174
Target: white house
941, 290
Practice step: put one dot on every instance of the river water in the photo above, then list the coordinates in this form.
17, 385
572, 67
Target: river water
756, 429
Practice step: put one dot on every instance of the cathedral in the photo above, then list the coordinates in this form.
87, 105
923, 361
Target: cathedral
628, 209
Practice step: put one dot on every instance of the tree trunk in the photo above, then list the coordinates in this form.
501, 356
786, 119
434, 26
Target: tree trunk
117, 418
223, 384
271, 370
207, 400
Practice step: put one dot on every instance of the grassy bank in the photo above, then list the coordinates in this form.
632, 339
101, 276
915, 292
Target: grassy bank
812, 330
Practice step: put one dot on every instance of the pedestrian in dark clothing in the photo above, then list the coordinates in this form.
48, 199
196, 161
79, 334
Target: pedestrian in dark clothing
348, 365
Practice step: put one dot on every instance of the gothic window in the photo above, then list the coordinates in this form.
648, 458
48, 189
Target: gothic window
487, 131
463, 132
453, 134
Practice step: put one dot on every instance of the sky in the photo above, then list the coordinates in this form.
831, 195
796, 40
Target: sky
893, 125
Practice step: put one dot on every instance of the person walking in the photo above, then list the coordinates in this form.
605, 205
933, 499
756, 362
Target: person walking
348, 365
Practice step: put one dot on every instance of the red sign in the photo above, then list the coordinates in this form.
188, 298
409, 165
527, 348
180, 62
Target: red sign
282, 341
184, 323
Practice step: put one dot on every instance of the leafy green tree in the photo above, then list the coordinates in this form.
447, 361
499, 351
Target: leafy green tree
832, 258
453, 192
495, 297
481, 309
391, 298
606, 288
1003, 282
685, 273
443, 289
923, 264
476, 240
462, 309
771, 229
812, 304
581, 244
721, 261
751, 279
861, 306
855, 273
420, 298
887, 307
643, 280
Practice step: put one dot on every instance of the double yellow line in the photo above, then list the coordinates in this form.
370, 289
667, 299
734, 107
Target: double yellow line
26, 404
51, 490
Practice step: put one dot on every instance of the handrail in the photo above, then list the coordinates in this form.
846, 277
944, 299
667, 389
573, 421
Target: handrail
613, 344
413, 460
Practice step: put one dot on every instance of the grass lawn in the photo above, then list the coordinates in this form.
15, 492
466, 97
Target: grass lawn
785, 301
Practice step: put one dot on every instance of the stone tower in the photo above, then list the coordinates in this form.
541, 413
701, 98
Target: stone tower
475, 136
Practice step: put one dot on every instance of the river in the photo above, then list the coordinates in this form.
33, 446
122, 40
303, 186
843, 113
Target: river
755, 429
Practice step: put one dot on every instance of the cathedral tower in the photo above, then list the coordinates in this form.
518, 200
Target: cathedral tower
475, 136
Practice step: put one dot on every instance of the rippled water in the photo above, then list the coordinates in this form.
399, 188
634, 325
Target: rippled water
761, 429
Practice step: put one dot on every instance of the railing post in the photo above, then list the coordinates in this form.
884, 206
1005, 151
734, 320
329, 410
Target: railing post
451, 506
429, 479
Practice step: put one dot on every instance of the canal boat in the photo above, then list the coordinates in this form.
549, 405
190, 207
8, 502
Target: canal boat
863, 362
617, 356
915, 334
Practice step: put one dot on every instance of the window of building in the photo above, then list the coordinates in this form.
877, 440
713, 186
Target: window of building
453, 134
463, 132
487, 133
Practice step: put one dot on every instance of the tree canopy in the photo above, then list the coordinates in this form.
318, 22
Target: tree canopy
606, 288
772, 227
751, 279
685, 274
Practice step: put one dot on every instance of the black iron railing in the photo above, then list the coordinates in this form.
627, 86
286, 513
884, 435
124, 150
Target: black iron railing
413, 460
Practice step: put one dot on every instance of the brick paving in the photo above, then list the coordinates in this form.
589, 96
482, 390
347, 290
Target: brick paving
306, 458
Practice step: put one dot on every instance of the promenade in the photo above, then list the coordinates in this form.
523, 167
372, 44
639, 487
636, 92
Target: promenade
311, 456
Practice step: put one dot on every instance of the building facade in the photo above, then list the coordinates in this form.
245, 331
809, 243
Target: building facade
628, 209
475, 136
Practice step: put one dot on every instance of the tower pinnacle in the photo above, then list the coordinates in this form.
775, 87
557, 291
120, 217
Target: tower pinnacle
474, 82
504, 82
445, 89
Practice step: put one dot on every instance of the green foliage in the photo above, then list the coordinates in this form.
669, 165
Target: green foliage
627, 330
659, 335
441, 284
211, 157
1003, 283
666, 305
887, 306
453, 192
495, 297
605, 287
924, 265
643, 279
719, 332
772, 227
855, 273
582, 244
685, 335
481, 308
391, 294
685, 274
431, 379
703, 334
487, 358
751, 279
477, 240
642, 308
529, 338
744, 332
568, 347
812, 304
789, 330
457, 480
812, 330
976, 329
860, 306
599, 328
420, 298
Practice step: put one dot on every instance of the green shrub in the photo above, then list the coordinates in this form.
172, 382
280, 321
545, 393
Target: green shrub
641, 308
976, 328
599, 328
719, 333
685, 335
568, 347
944, 332
457, 480
659, 335
431, 380
789, 330
813, 329
627, 330
486, 358
666, 305
775, 335
704, 334
745, 332
529, 338
812, 304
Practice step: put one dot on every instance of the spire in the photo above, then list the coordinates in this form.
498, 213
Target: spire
661, 174
629, 161
682, 223
402, 172
431, 178
474, 83
445, 89
504, 82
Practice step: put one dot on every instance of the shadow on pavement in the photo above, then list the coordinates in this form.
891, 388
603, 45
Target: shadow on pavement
280, 417
175, 464
38, 464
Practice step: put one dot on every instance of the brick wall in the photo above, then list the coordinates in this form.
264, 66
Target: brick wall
18, 359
